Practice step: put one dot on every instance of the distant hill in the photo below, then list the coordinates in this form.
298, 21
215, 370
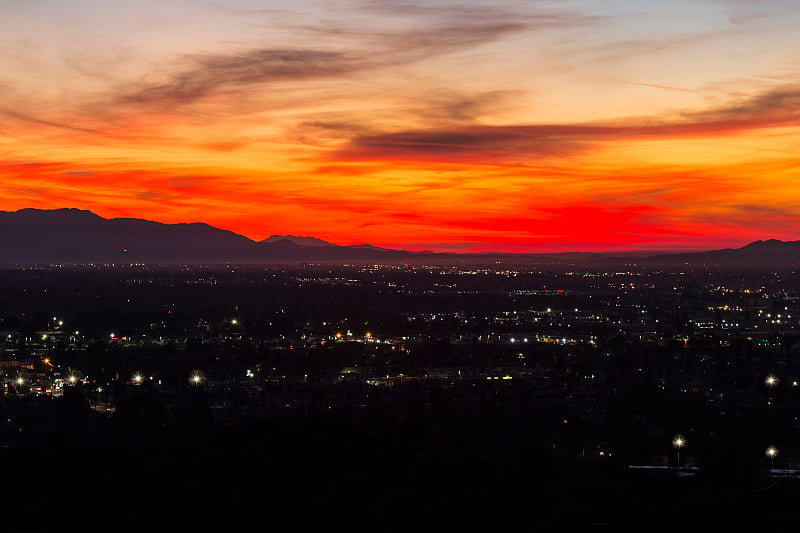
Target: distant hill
769, 253
38, 236
78, 236
301, 241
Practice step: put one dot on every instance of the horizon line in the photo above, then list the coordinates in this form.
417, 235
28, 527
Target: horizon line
439, 250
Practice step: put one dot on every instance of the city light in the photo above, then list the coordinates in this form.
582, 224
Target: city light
772, 452
679, 442
771, 380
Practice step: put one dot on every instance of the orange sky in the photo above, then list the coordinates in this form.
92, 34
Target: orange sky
528, 126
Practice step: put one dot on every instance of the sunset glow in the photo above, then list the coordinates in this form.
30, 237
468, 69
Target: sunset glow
523, 126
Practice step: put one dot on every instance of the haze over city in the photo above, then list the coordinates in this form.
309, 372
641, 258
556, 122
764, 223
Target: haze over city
460, 126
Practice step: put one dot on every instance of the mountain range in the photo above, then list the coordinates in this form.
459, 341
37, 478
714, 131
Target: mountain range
75, 236
78, 236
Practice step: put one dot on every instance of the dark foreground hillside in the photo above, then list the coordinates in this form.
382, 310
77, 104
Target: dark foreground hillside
384, 473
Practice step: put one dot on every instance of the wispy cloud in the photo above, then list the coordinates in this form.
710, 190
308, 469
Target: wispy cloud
210, 73
500, 144
342, 49
665, 87
23, 117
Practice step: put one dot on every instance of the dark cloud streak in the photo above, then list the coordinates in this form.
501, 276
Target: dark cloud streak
52, 124
210, 73
776, 108
435, 31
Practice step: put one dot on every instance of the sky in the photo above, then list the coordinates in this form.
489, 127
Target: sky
533, 126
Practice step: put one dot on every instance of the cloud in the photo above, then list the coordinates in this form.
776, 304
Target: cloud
212, 72
22, 117
447, 105
400, 34
665, 87
469, 143
779, 106
26, 191
766, 219
150, 195
187, 182
508, 143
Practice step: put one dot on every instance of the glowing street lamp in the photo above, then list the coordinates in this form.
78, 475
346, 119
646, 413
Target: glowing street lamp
772, 452
196, 378
771, 381
679, 442
137, 378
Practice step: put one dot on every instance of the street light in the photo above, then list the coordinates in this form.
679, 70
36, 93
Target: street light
679, 442
771, 380
137, 378
196, 378
772, 452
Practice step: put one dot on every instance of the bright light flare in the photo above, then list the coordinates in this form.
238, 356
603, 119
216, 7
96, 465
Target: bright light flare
772, 380
772, 452
679, 442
